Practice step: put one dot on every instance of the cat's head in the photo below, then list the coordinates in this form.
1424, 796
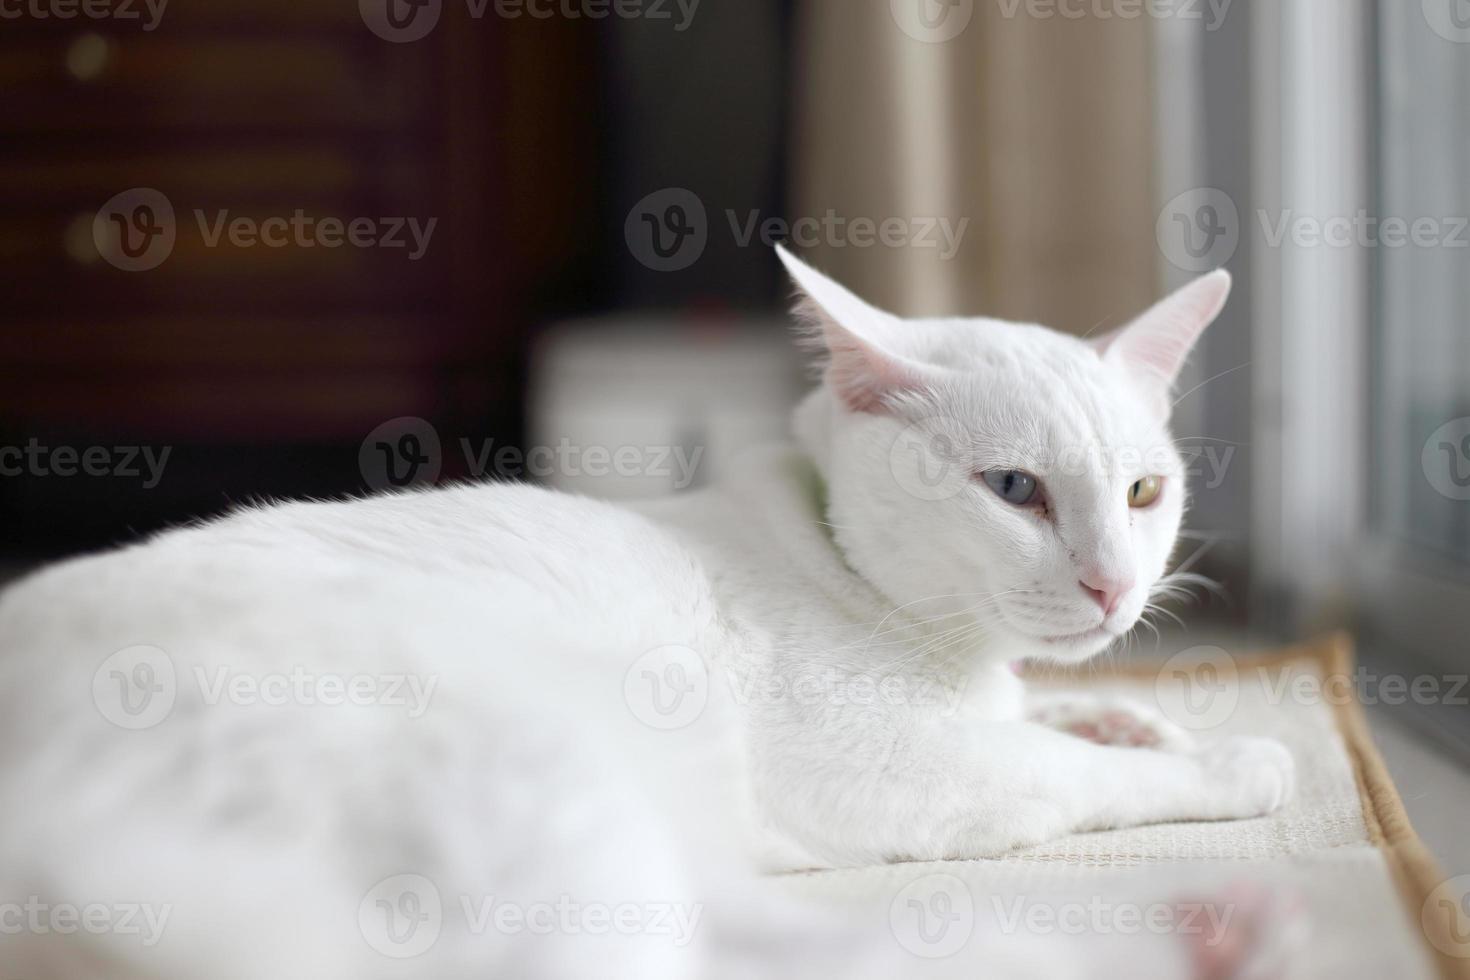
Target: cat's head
1000, 474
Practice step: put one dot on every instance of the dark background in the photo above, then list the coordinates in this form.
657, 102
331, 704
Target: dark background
262, 370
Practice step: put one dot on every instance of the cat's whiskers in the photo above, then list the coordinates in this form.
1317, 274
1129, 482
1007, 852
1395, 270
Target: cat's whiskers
840, 527
1217, 377
903, 633
906, 625
1229, 442
955, 595
1145, 619
935, 645
975, 629
950, 637
903, 641
1153, 607
1177, 584
1099, 323
943, 641
949, 661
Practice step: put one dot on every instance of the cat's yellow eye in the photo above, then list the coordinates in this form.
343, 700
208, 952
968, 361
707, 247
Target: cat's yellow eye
1145, 491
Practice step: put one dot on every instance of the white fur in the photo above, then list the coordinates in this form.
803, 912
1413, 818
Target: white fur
856, 639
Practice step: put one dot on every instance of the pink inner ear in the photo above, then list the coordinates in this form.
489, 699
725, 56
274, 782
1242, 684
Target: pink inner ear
1161, 351
859, 371
861, 375
1158, 343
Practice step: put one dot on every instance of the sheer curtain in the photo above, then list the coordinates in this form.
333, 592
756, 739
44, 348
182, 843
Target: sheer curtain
1039, 130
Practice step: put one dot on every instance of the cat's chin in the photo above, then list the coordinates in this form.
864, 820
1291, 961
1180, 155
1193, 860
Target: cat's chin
1072, 647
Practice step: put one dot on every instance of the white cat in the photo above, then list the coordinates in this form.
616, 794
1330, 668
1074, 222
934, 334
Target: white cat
343, 739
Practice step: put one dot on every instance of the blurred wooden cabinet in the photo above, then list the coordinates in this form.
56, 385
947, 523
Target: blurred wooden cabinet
249, 109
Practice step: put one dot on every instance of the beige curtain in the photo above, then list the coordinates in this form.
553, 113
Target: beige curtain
1039, 130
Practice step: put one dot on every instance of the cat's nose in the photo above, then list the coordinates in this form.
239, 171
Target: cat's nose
1106, 591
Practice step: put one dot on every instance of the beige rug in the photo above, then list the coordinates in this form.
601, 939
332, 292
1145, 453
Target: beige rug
1336, 884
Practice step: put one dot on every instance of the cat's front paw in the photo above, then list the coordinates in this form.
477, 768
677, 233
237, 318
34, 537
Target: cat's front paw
1247, 776
1112, 721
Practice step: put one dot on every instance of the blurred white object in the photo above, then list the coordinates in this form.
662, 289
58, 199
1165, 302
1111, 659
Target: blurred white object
637, 407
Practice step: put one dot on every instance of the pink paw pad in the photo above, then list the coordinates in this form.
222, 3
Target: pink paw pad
1117, 728
1250, 933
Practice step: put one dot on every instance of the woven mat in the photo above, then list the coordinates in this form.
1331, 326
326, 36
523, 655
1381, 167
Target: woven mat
1338, 878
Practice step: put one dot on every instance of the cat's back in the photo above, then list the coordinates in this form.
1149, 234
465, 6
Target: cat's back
513, 548
345, 690
479, 582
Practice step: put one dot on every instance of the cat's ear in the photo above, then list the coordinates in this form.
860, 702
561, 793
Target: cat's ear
855, 336
1154, 347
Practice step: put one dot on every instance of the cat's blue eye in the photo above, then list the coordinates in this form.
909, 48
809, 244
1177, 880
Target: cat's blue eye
1013, 486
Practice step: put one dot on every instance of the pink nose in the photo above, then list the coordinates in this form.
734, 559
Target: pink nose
1106, 592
